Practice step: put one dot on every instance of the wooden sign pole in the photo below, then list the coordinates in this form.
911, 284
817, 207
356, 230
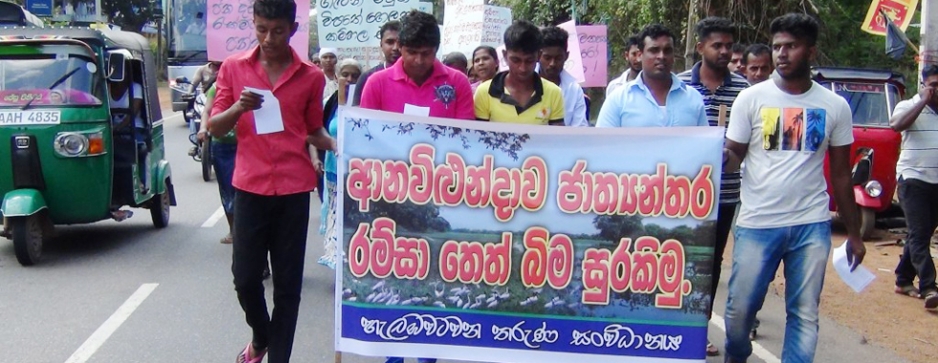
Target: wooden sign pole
721, 119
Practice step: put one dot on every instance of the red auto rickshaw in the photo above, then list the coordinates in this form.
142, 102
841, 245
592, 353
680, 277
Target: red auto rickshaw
872, 95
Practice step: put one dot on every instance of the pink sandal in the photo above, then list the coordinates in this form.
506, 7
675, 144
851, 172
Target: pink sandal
245, 356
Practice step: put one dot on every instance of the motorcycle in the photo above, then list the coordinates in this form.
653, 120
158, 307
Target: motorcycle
195, 101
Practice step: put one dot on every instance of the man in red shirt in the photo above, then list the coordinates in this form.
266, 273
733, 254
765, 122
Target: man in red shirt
273, 172
419, 83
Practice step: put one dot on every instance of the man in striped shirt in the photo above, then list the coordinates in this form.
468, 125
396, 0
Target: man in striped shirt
719, 88
917, 120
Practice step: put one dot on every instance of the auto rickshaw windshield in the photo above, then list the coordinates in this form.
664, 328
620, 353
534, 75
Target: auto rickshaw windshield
50, 80
871, 104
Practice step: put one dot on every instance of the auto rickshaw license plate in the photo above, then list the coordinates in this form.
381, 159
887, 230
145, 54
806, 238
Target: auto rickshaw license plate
30, 117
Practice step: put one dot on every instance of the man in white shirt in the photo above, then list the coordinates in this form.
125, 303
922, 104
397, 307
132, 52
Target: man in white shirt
127, 98
783, 128
633, 55
553, 57
917, 120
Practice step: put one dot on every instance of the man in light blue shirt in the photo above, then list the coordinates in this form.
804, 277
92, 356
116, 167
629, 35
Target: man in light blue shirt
656, 98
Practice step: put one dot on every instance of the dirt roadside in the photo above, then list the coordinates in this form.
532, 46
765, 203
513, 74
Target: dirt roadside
878, 314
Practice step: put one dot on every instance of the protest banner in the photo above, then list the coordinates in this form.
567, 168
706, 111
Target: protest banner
900, 11
357, 23
574, 64
230, 28
594, 54
468, 24
514, 243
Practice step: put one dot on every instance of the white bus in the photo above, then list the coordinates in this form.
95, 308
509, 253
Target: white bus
185, 39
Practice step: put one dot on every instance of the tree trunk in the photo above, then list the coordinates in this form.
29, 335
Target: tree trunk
689, 41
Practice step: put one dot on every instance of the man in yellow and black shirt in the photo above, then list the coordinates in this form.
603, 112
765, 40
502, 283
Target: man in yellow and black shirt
520, 95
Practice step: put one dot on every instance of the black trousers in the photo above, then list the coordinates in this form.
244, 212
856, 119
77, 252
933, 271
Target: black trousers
725, 214
276, 225
920, 203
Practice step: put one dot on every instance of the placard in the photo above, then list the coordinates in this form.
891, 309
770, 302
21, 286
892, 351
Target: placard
357, 23
230, 28
468, 24
574, 64
593, 54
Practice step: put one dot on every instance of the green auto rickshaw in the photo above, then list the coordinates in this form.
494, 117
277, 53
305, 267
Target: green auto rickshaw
69, 153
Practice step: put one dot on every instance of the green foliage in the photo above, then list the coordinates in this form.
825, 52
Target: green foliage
842, 42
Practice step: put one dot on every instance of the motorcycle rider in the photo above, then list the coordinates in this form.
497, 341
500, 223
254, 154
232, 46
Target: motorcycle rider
205, 76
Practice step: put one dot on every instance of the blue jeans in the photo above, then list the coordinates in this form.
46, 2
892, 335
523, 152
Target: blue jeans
223, 160
756, 256
401, 360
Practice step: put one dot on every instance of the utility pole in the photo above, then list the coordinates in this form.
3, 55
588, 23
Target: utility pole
929, 32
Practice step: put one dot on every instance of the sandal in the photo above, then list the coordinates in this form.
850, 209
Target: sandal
908, 290
931, 301
245, 356
227, 240
712, 350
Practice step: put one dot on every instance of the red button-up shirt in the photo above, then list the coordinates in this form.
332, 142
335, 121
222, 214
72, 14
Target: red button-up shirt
277, 163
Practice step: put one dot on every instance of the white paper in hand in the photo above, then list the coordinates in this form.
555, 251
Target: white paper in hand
859, 279
413, 110
267, 119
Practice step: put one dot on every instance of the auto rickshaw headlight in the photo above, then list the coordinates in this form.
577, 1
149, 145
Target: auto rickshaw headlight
71, 144
873, 189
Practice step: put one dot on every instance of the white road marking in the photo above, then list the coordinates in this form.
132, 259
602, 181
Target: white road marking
210, 222
90, 346
757, 349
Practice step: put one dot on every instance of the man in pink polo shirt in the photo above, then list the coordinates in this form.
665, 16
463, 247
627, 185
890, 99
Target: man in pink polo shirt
273, 172
418, 83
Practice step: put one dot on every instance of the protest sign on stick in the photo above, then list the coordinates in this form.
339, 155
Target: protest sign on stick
504, 243
230, 28
357, 23
594, 54
574, 64
468, 24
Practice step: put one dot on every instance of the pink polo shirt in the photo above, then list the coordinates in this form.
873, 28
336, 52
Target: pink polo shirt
276, 163
447, 92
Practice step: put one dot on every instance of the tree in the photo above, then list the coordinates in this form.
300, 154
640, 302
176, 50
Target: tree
615, 227
408, 215
130, 15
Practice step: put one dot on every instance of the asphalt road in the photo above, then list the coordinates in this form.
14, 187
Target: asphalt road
126, 292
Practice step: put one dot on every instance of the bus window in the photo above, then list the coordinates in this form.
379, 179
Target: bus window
188, 25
